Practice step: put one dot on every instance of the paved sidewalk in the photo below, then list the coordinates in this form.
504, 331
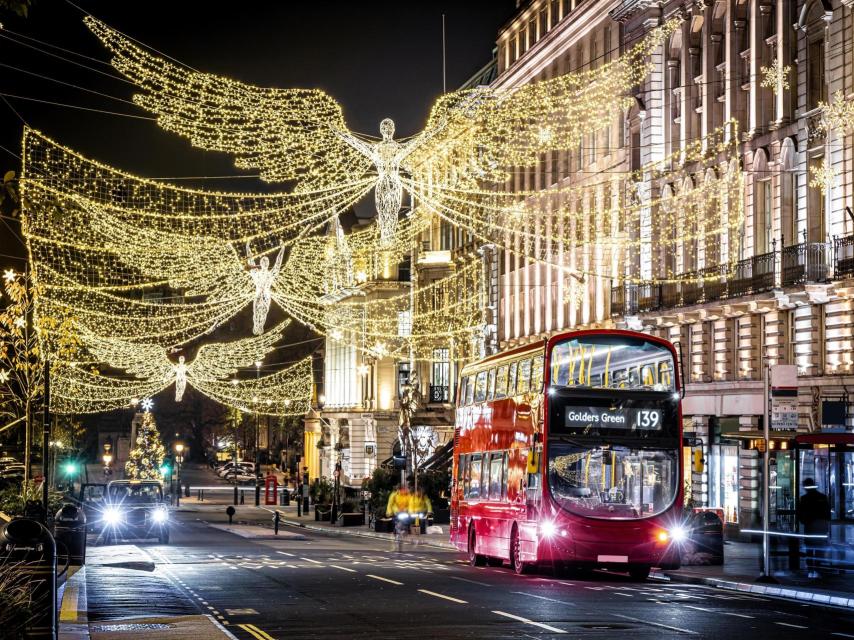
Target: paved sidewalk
741, 569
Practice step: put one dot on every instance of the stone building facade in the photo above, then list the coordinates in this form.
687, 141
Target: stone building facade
777, 290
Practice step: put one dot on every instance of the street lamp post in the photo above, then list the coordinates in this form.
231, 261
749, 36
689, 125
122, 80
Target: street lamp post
257, 442
179, 458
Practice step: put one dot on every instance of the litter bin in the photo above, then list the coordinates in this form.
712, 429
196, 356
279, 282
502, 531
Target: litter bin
27, 545
69, 531
285, 497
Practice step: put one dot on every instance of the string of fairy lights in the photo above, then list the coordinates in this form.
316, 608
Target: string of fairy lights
147, 271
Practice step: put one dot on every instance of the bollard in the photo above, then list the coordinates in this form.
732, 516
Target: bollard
299, 508
230, 513
235, 495
29, 545
242, 498
276, 519
187, 491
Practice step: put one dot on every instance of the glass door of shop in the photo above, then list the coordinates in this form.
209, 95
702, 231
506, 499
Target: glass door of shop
832, 468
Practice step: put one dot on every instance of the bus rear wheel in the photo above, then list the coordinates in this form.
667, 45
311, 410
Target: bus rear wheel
475, 559
639, 574
516, 562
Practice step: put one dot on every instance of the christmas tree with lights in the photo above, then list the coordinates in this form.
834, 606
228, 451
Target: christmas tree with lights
147, 456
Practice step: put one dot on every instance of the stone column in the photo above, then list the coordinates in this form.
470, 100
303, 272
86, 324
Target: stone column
311, 436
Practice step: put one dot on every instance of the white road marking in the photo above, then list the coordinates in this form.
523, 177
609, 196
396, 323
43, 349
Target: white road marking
335, 566
656, 624
625, 595
794, 626
482, 584
737, 615
310, 560
532, 595
285, 553
842, 635
370, 575
691, 606
444, 597
531, 622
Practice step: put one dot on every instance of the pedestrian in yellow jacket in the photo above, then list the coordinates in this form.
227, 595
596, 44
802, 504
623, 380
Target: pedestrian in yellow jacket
398, 502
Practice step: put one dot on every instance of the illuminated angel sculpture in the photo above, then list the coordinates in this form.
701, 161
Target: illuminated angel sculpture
213, 361
263, 277
387, 156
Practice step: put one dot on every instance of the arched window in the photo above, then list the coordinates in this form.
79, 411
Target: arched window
690, 243
788, 194
813, 23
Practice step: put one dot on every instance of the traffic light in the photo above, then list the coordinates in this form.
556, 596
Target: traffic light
165, 469
70, 468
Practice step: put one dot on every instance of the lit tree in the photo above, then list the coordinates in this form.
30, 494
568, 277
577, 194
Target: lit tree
25, 339
147, 456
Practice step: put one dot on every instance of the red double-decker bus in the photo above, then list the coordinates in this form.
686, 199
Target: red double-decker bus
568, 453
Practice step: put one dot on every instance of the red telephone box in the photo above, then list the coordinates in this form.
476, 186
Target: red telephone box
271, 488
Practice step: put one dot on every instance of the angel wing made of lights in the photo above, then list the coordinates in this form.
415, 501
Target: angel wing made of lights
213, 361
286, 134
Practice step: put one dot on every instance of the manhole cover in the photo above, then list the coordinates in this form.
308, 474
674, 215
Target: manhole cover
130, 628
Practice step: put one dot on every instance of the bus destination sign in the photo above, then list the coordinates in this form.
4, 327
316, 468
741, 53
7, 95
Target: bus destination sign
584, 418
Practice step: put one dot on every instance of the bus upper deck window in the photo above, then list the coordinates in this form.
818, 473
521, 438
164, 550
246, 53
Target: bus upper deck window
501, 382
511, 379
490, 385
480, 387
462, 397
537, 375
524, 376
469, 389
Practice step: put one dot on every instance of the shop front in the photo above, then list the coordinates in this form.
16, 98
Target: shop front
828, 459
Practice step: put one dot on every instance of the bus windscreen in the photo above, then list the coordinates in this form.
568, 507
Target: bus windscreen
612, 362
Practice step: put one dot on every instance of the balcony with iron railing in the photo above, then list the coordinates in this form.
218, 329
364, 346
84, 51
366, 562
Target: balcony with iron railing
806, 262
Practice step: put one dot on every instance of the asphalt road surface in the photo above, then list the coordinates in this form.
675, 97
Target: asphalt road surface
311, 585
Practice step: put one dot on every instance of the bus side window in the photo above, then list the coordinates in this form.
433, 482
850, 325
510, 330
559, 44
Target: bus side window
467, 477
480, 387
476, 466
469, 389
523, 382
537, 374
495, 475
490, 385
511, 379
501, 382
461, 400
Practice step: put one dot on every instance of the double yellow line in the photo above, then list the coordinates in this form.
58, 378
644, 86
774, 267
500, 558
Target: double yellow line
256, 632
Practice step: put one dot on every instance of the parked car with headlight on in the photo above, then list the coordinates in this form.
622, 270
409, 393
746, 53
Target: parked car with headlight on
135, 509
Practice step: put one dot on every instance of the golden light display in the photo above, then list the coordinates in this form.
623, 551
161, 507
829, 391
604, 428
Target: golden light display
146, 268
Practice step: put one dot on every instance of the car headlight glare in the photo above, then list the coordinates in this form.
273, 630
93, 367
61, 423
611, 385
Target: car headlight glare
547, 529
679, 534
160, 516
112, 515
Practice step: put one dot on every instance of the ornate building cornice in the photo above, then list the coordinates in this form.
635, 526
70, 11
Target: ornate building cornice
628, 8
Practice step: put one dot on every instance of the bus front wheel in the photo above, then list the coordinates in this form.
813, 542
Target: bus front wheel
516, 562
475, 559
639, 574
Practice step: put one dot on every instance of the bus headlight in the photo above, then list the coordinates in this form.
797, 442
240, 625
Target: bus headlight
547, 529
160, 516
112, 516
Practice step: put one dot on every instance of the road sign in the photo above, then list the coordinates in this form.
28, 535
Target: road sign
784, 413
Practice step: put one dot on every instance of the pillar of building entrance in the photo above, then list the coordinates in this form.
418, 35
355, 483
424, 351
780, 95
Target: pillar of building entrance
311, 436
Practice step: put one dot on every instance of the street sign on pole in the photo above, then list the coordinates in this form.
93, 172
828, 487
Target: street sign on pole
784, 397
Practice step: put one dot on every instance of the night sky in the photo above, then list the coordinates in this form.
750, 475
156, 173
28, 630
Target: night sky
378, 59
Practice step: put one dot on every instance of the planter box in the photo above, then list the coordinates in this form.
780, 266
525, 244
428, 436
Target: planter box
351, 519
322, 512
441, 516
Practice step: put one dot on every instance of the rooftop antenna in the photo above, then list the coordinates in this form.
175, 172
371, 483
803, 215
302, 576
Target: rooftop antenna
444, 75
